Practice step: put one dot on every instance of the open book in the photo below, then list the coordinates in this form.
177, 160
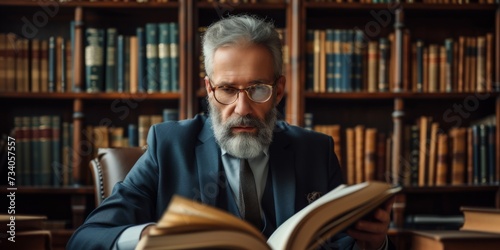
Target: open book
190, 225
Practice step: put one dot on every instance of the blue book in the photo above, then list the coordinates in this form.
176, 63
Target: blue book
330, 61
337, 55
56, 165
120, 64
152, 57
170, 115
111, 53
126, 64
174, 56
164, 57
132, 135
52, 64
141, 61
448, 44
347, 62
475, 154
491, 154
94, 63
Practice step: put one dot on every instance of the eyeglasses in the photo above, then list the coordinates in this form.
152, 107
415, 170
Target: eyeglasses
226, 95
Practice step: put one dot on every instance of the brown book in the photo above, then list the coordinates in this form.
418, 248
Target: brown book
425, 66
44, 66
69, 67
370, 154
481, 219
116, 135
481, 64
473, 65
459, 140
433, 68
322, 62
143, 129
381, 158
442, 160
134, 60
351, 156
334, 132
453, 240
359, 137
213, 228
60, 49
470, 156
423, 160
433, 144
461, 64
489, 62
317, 60
372, 66
35, 65
442, 70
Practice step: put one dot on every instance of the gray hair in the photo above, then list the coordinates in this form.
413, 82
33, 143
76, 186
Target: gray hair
242, 30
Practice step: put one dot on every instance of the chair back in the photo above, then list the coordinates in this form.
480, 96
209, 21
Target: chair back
111, 166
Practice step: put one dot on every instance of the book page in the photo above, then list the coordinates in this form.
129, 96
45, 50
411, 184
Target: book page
302, 228
186, 215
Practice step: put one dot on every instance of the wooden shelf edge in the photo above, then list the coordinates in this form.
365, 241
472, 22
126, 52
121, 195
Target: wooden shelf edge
392, 95
74, 4
87, 189
405, 6
92, 96
451, 188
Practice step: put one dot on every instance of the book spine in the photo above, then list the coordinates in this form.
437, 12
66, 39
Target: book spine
120, 65
45, 131
442, 160
174, 56
134, 85
141, 60
152, 57
94, 54
56, 152
132, 135
164, 57
357, 75
62, 66
370, 154
383, 70
330, 64
491, 154
110, 71
52, 65
449, 44
35, 66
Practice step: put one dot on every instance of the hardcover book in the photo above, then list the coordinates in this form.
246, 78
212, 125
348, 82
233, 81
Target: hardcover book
187, 224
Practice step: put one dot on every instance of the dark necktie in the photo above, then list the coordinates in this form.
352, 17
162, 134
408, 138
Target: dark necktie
249, 203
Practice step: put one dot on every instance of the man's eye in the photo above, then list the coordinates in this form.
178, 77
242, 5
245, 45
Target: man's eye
228, 90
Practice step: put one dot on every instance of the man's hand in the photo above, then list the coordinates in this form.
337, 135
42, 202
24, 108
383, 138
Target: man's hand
371, 234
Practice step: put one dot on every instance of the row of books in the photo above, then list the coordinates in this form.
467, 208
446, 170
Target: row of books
42, 145
463, 155
344, 61
458, 65
36, 65
147, 61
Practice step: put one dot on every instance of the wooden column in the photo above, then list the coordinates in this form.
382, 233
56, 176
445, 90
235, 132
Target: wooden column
497, 88
398, 113
79, 176
78, 85
295, 82
185, 56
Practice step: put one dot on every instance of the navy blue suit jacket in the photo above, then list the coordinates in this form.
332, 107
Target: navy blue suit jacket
183, 158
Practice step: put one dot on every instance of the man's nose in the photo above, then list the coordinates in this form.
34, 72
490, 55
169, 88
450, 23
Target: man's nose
243, 107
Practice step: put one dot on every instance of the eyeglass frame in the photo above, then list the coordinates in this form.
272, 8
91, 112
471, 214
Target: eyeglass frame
214, 88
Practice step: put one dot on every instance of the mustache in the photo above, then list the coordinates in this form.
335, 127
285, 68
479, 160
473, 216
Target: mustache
248, 121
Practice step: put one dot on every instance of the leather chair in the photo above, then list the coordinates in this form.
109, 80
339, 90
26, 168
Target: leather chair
111, 166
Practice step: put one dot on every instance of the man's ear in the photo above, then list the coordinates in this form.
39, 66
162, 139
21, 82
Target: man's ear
207, 85
280, 89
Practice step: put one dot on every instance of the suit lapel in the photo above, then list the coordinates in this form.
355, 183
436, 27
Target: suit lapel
282, 171
209, 166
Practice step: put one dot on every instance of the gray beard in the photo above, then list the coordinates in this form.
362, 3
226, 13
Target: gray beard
242, 145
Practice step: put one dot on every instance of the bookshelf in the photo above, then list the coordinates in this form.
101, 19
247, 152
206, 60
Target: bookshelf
388, 111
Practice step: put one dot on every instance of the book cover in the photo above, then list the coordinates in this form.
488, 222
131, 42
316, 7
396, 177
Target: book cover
185, 220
